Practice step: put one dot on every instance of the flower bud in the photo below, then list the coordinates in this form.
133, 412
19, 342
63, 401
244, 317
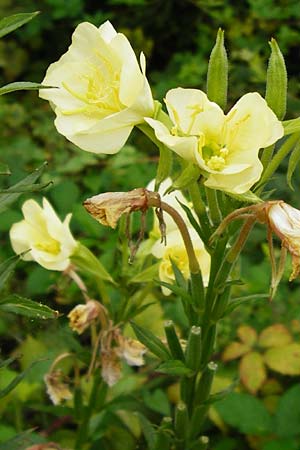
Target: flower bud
82, 316
217, 74
276, 89
285, 222
57, 389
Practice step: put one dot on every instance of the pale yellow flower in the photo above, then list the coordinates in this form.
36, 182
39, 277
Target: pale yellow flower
175, 251
285, 222
82, 316
225, 147
43, 237
101, 90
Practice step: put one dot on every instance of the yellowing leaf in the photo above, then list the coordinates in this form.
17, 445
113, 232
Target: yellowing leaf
285, 359
275, 336
253, 371
247, 335
234, 350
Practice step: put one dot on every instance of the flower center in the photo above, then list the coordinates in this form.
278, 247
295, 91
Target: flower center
98, 89
179, 256
213, 154
51, 246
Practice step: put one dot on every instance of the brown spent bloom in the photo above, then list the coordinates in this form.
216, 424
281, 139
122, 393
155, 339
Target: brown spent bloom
57, 389
82, 316
132, 351
111, 368
107, 208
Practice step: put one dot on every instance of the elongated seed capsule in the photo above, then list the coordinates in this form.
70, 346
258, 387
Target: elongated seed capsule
173, 341
181, 420
204, 385
217, 73
276, 87
193, 349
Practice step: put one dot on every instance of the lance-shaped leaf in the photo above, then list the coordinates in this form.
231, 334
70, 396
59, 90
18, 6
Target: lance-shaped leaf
17, 380
164, 164
175, 368
188, 175
7, 198
87, 262
276, 88
6, 268
151, 342
22, 86
26, 307
146, 275
217, 74
11, 23
293, 163
291, 126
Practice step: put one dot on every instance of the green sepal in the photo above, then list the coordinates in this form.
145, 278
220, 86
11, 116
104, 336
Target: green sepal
146, 275
247, 197
291, 126
11, 23
87, 262
22, 86
174, 367
217, 73
276, 87
152, 342
236, 302
28, 308
165, 163
293, 163
190, 174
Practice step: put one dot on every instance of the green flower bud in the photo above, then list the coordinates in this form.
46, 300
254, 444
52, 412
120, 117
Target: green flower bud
217, 74
276, 87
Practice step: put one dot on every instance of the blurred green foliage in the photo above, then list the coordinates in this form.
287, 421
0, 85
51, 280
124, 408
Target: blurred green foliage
176, 37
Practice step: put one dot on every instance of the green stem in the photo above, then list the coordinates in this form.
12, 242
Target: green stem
215, 213
199, 207
267, 155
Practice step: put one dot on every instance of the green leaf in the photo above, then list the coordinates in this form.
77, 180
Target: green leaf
22, 86
8, 361
284, 359
10, 197
248, 197
288, 413
175, 289
246, 413
179, 278
148, 430
235, 303
146, 275
174, 367
4, 169
280, 444
164, 164
17, 379
151, 342
87, 262
11, 23
6, 268
291, 126
26, 307
193, 221
30, 188
293, 162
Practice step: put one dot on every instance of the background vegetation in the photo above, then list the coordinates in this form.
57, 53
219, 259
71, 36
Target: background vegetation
177, 37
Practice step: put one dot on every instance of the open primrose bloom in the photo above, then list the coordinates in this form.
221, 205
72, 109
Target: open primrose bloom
225, 147
101, 91
42, 237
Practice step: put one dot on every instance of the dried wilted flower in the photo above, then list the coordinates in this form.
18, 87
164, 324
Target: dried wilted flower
132, 351
82, 316
57, 389
111, 369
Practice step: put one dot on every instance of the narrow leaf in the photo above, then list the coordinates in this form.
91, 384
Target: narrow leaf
8, 361
291, 126
235, 303
11, 23
22, 86
146, 275
87, 262
151, 342
148, 430
164, 164
248, 197
174, 367
6, 268
30, 188
179, 278
26, 307
187, 176
17, 380
7, 199
175, 289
